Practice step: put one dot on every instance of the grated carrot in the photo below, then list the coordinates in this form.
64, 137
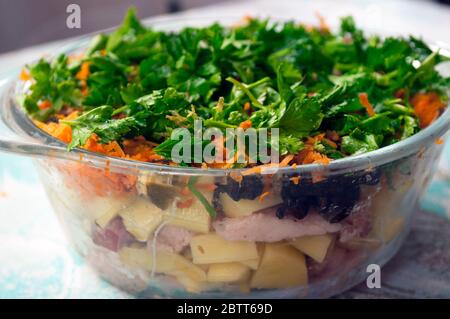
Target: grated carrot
253, 170
246, 124
247, 106
262, 196
185, 204
236, 176
45, 104
25, 75
84, 72
317, 177
206, 186
286, 160
295, 179
323, 26
185, 191
364, 100
439, 141
330, 142
427, 107
333, 136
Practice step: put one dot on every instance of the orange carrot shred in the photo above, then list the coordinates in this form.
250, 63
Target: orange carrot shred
262, 196
439, 141
246, 124
25, 75
286, 160
331, 143
323, 26
185, 204
43, 105
427, 107
364, 100
84, 72
206, 186
250, 171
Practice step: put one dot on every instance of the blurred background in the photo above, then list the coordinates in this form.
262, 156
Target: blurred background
29, 22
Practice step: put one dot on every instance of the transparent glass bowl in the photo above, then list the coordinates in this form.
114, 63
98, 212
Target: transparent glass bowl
140, 226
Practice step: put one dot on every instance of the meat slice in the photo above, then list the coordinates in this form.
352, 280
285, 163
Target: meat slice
113, 237
358, 224
171, 238
266, 227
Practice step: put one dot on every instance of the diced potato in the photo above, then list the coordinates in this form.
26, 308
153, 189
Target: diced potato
315, 247
228, 272
141, 218
244, 287
282, 266
371, 243
105, 209
195, 217
191, 285
391, 227
211, 249
246, 207
251, 263
254, 263
166, 262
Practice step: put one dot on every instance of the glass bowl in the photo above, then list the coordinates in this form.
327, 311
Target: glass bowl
314, 235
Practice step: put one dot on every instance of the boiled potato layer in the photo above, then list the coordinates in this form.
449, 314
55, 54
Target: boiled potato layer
141, 219
211, 249
282, 266
194, 217
315, 247
246, 207
228, 272
166, 263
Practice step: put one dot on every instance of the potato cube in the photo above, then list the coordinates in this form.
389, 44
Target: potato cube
195, 217
141, 218
315, 247
228, 272
246, 207
166, 263
211, 249
282, 266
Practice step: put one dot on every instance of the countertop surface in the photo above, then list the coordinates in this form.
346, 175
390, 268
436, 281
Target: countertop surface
35, 256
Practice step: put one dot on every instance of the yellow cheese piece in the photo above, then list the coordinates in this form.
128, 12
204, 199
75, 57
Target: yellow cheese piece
194, 218
282, 266
315, 247
228, 272
141, 218
211, 249
251, 263
166, 262
107, 208
246, 207
391, 228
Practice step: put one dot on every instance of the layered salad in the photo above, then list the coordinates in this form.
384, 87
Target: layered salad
318, 96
